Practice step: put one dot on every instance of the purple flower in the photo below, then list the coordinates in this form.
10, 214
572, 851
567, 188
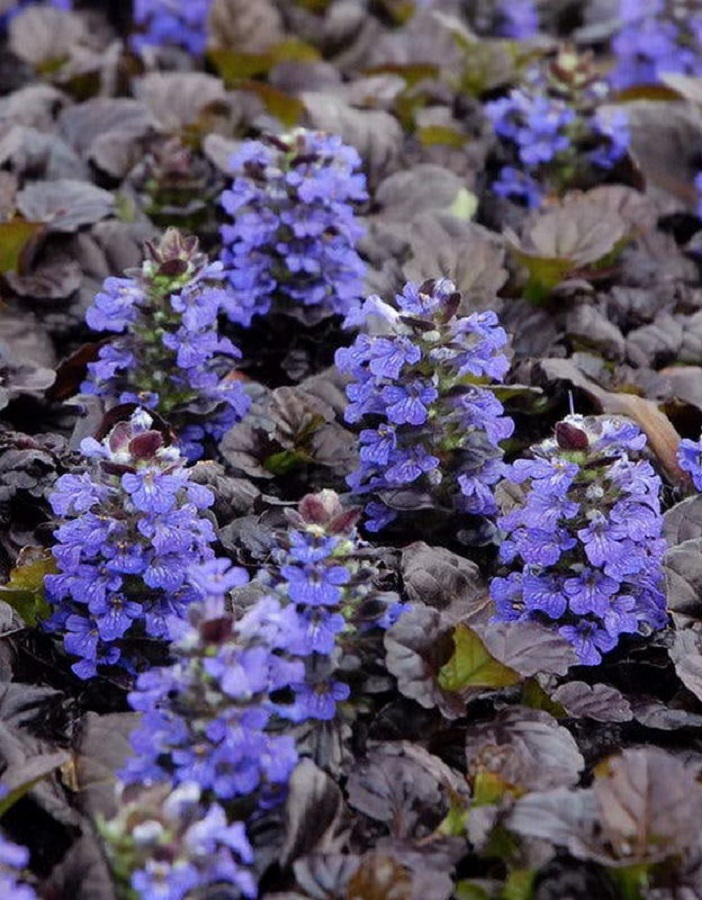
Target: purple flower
418, 388
690, 460
164, 23
294, 230
180, 367
586, 534
124, 546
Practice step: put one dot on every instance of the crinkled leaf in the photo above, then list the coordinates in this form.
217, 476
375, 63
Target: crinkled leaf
683, 522
437, 577
687, 658
526, 748
49, 281
314, 814
394, 787
102, 749
106, 131
561, 816
82, 874
472, 666
664, 141
564, 241
599, 702
65, 205
649, 804
244, 26
683, 577
179, 99
424, 187
528, 648
43, 35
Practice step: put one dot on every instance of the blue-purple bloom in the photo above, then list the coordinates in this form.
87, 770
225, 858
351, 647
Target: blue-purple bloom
553, 132
174, 23
656, 36
292, 241
585, 541
13, 859
131, 527
432, 426
170, 843
169, 356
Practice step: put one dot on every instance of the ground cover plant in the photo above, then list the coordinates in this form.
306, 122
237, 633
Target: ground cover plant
351, 449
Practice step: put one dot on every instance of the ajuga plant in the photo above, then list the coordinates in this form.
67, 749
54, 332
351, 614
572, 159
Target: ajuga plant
220, 717
169, 843
656, 36
584, 541
169, 356
335, 612
420, 389
131, 525
13, 859
175, 184
552, 133
215, 721
174, 23
292, 242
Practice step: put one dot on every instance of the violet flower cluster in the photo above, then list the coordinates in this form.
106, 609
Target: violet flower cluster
131, 526
585, 541
335, 615
431, 426
13, 860
210, 718
690, 460
174, 23
167, 843
656, 36
554, 135
292, 242
169, 356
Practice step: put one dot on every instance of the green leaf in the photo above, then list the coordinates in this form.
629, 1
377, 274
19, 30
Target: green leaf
454, 823
24, 592
285, 461
287, 109
472, 666
14, 238
519, 885
234, 66
431, 135
468, 890
535, 697
631, 881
